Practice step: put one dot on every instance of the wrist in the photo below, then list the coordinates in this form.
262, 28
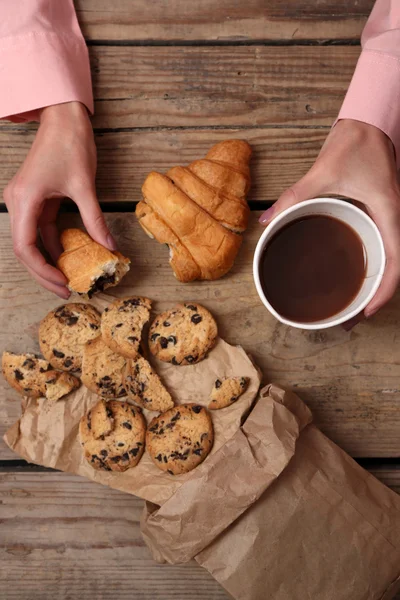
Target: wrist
66, 112
359, 133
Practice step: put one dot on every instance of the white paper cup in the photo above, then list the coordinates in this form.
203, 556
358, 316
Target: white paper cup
374, 253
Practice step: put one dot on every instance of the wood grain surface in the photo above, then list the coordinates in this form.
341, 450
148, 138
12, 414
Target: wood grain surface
67, 538
350, 380
281, 157
226, 20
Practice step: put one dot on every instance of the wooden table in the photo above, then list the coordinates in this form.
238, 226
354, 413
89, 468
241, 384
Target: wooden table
171, 79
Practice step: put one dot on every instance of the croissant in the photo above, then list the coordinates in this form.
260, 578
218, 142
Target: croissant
89, 266
200, 210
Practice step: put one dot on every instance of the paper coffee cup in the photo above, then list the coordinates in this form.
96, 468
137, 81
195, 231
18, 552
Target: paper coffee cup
369, 234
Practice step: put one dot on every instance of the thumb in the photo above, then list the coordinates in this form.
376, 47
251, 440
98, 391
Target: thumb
94, 221
306, 188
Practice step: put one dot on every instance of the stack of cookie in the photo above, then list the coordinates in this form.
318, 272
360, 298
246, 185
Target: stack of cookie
106, 351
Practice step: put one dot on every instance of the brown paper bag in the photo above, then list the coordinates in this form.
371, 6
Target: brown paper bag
323, 529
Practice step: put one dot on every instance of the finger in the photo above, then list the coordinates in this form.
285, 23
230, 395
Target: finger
51, 240
388, 222
60, 290
94, 222
49, 230
308, 187
387, 288
24, 231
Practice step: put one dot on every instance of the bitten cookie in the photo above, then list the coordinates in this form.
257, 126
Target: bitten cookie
122, 323
144, 386
103, 369
180, 439
64, 332
226, 391
122, 446
34, 377
183, 335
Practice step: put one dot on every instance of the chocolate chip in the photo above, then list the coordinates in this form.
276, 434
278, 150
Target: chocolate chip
125, 456
115, 458
133, 339
93, 326
170, 472
203, 436
170, 425
139, 444
132, 302
218, 383
109, 412
118, 325
172, 340
29, 363
154, 337
165, 458
104, 453
58, 354
72, 320
167, 324
18, 375
48, 368
153, 429
190, 358
106, 378
67, 363
94, 457
174, 361
159, 457
176, 417
161, 432
196, 319
120, 444
196, 408
134, 451
234, 398
191, 307
163, 342
198, 451
127, 425
243, 382
27, 389
106, 310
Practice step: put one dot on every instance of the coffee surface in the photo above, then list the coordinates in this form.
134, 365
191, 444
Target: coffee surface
312, 268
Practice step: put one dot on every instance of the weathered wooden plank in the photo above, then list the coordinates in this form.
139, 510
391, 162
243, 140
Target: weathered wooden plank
281, 156
219, 86
229, 86
223, 21
350, 380
72, 539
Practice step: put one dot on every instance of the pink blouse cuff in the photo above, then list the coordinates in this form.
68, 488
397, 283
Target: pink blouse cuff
42, 69
374, 95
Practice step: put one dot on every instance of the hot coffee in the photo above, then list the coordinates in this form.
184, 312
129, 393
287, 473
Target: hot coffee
312, 268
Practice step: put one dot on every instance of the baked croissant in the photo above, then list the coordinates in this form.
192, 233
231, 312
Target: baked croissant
89, 266
200, 211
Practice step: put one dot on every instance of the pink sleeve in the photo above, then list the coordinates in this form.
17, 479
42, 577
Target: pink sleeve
43, 58
374, 93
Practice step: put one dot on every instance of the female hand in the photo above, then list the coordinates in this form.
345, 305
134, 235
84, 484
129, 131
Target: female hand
357, 160
61, 163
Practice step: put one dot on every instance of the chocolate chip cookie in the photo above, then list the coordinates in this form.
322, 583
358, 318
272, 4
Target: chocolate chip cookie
180, 439
103, 369
64, 332
226, 391
183, 335
119, 448
34, 377
122, 323
144, 386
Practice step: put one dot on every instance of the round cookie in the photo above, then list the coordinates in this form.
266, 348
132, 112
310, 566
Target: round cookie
122, 323
183, 335
64, 332
122, 444
180, 439
226, 391
103, 370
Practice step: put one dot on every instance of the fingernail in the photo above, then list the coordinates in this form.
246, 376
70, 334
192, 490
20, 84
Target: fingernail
64, 294
111, 242
370, 312
266, 216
